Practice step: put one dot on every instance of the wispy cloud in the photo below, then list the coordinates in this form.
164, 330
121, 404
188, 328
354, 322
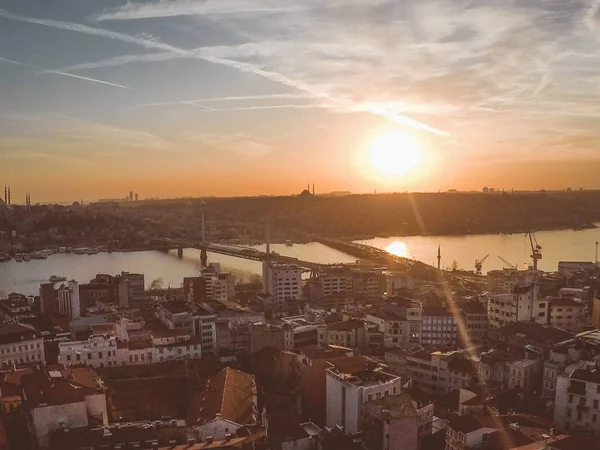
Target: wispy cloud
172, 8
318, 91
238, 143
65, 74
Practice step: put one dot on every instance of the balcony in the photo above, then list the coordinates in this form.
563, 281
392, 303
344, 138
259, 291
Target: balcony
583, 408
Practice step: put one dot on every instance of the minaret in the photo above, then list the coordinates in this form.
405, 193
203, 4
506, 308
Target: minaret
313, 188
9, 195
5, 196
439, 257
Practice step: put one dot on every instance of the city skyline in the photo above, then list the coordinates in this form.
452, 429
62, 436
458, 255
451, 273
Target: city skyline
200, 98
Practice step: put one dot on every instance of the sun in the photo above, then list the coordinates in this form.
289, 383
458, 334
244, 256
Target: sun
396, 154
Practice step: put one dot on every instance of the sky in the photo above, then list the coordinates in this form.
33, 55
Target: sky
247, 97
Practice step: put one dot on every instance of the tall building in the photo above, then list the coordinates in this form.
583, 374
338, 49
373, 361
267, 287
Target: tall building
133, 285
522, 304
137, 197
351, 382
48, 299
440, 328
284, 283
130, 196
577, 402
68, 300
391, 423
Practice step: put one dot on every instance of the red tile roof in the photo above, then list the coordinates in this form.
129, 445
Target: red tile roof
229, 393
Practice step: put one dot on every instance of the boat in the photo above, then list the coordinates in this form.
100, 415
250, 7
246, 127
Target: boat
57, 279
289, 243
93, 251
81, 251
26, 257
4, 257
62, 249
19, 257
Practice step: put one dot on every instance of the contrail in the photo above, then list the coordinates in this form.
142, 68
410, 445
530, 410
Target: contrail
241, 66
57, 72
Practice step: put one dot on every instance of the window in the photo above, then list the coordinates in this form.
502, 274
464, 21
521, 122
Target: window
569, 412
579, 414
68, 357
595, 404
594, 418
570, 398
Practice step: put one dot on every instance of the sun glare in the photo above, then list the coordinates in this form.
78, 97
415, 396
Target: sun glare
395, 154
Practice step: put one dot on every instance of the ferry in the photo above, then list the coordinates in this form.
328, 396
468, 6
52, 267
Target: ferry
4, 257
38, 255
289, 243
81, 250
26, 257
62, 249
56, 279
93, 251
19, 257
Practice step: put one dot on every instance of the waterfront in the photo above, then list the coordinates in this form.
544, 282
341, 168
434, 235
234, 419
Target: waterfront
25, 277
561, 245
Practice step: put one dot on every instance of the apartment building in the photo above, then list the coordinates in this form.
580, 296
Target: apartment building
510, 369
104, 350
476, 323
577, 402
351, 382
68, 300
523, 304
368, 286
440, 327
350, 333
584, 346
20, 344
440, 372
283, 282
390, 423
567, 314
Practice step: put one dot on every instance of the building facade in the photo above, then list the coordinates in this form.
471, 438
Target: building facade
68, 300
20, 344
350, 382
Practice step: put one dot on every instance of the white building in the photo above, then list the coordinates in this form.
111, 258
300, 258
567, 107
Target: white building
523, 304
68, 300
104, 350
583, 346
284, 283
577, 402
205, 330
218, 285
350, 382
55, 403
20, 344
566, 268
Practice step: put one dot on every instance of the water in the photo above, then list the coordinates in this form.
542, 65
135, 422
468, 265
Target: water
565, 245
25, 277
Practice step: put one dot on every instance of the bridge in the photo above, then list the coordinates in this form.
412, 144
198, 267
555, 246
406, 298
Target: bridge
363, 251
231, 250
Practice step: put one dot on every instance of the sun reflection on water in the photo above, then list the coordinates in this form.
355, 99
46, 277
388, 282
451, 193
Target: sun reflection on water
398, 248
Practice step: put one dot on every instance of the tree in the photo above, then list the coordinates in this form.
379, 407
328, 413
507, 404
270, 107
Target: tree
454, 266
156, 284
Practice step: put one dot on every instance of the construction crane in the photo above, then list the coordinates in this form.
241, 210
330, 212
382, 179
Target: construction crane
510, 266
479, 264
536, 249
